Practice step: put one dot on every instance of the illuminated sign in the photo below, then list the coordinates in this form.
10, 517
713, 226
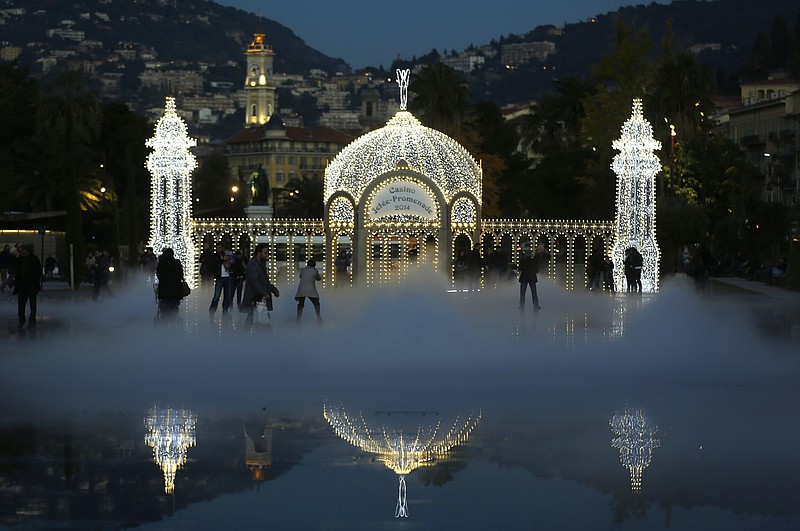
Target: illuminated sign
403, 198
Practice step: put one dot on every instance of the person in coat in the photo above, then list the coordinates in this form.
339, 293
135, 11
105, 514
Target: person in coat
27, 284
308, 288
170, 276
528, 269
257, 286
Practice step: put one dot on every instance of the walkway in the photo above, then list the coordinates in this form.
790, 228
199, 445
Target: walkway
784, 295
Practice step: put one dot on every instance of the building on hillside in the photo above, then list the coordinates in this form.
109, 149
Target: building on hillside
464, 62
521, 53
767, 127
282, 153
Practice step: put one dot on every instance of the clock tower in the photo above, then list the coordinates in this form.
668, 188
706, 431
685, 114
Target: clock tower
258, 84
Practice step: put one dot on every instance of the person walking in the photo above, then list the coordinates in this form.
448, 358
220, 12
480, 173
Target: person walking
257, 287
149, 262
102, 274
528, 270
27, 284
5, 265
222, 267
308, 288
170, 275
341, 264
237, 275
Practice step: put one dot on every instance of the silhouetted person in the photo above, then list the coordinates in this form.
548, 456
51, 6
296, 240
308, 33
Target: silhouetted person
257, 287
28, 282
102, 274
528, 270
170, 275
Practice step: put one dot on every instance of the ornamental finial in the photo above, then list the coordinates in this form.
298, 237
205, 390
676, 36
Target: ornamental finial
402, 80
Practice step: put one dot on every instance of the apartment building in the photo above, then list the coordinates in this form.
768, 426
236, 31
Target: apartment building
767, 127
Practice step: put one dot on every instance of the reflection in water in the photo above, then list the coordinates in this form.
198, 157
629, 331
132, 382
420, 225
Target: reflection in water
170, 433
399, 451
258, 453
635, 441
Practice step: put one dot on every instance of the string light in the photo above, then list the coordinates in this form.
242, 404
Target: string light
636, 167
401, 452
635, 442
170, 166
427, 151
170, 433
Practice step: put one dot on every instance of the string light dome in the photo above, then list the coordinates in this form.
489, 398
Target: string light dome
404, 138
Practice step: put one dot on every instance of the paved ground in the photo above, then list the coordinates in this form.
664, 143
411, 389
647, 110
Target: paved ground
775, 292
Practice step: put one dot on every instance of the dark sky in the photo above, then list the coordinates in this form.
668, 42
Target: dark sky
373, 32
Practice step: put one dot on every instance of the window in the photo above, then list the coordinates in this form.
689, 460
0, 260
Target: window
254, 110
279, 176
291, 159
279, 159
291, 175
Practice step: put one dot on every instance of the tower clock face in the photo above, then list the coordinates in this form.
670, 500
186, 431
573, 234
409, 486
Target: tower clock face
254, 69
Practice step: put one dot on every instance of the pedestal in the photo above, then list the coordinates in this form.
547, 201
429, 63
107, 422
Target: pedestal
259, 211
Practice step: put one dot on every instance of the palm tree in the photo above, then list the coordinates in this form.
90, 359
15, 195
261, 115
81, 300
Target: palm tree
69, 116
440, 97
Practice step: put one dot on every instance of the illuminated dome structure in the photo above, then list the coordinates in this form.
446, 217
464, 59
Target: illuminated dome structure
401, 194
405, 139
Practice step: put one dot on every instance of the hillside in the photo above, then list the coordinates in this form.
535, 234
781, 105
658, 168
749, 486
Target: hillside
724, 29
185, 30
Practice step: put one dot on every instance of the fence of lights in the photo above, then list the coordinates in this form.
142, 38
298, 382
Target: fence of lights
170, 166
549, 233
401, 452
283, 236
635, 440
636, 167
403, 138
170, 433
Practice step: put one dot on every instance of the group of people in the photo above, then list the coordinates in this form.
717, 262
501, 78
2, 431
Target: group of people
234, 276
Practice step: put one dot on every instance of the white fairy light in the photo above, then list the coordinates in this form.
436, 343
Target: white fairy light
403, 77
636, 167
170, 433
635, 442
341, 211
425, 150
170, 165
464, 211
401, 452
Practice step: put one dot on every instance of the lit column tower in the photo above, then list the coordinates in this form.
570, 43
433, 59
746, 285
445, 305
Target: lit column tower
170, 165
636, 167
259, 88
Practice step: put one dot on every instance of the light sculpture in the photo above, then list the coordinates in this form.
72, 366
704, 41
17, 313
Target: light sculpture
636, 167
401, 452
170, 433
635, 441
170, 166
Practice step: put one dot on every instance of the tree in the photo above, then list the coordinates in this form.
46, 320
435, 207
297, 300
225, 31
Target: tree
622, 75
683, 93
18, 93
302, 198
440, 98
123, 149
211, 183
69, 116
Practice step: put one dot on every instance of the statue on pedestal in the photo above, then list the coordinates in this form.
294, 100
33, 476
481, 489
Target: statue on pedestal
259, 187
